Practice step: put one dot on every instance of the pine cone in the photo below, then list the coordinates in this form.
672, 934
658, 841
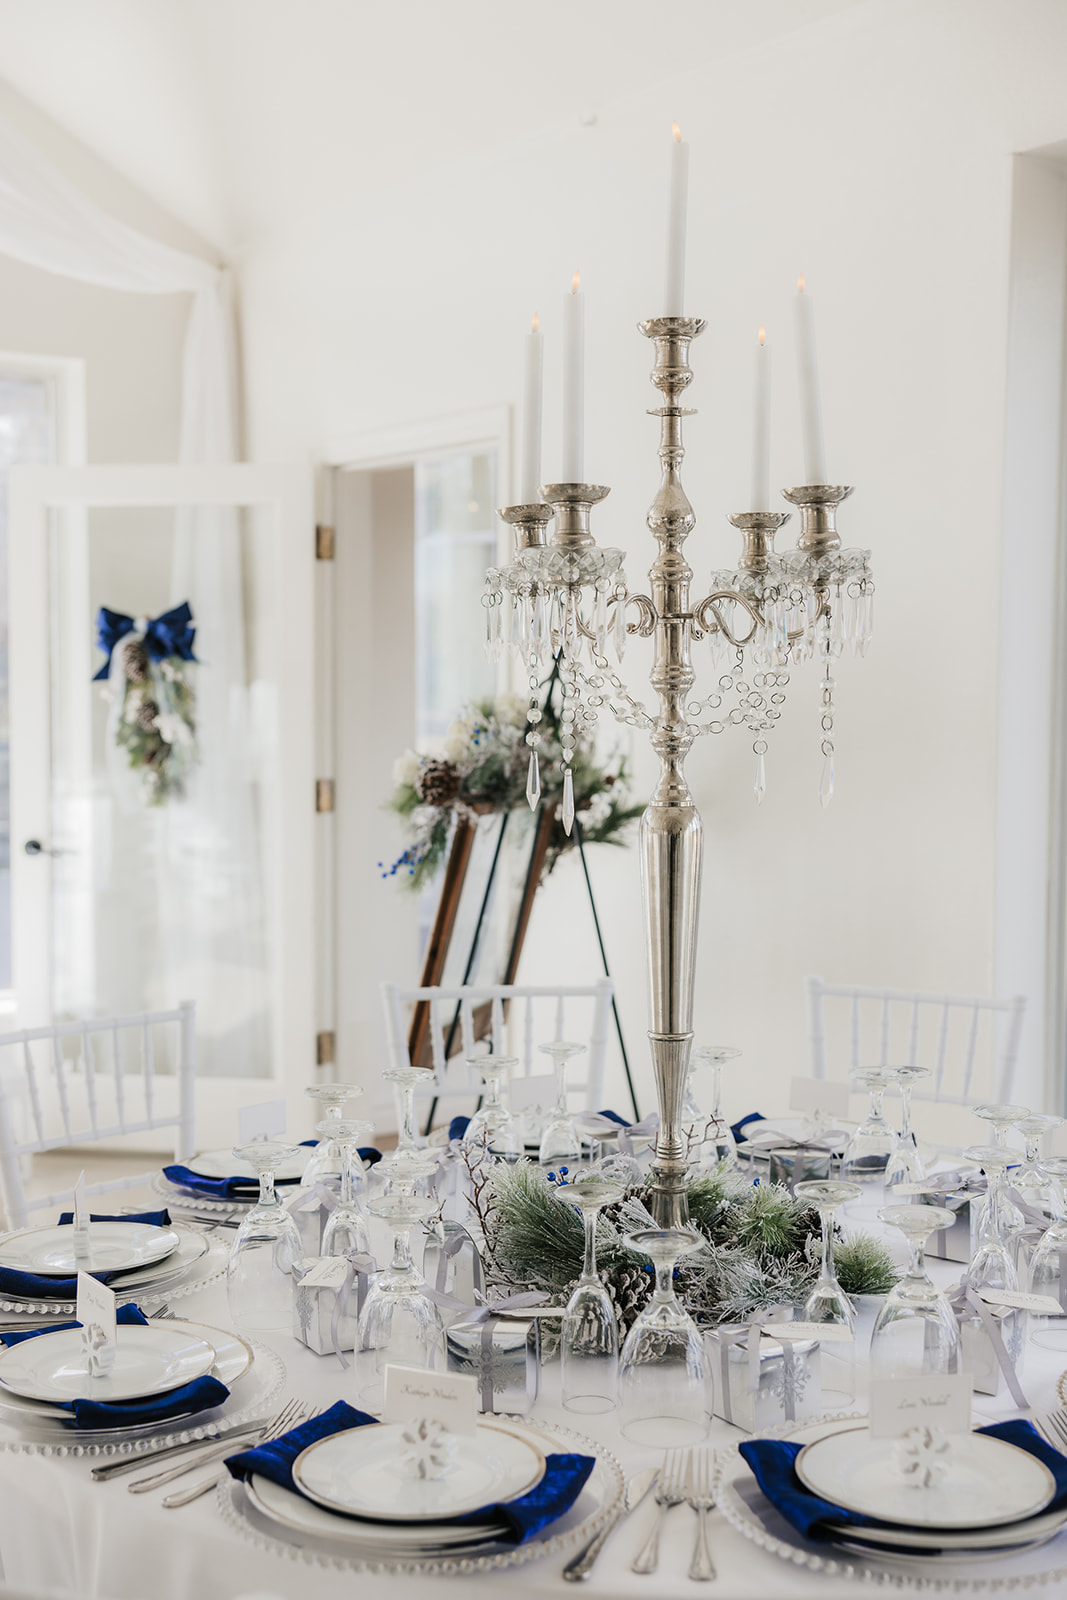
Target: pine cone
135, 662
630, 1289
437, 783
147, 712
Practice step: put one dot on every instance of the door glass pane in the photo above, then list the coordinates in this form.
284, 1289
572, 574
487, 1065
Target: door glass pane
455, 541
165, 891
27, 437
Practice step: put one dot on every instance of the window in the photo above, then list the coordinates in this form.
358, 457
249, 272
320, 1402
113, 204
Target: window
27, 437
455, 541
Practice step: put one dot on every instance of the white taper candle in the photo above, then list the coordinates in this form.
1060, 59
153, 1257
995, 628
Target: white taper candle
760, 498
808, 379
573, 382
674, 296
532, 379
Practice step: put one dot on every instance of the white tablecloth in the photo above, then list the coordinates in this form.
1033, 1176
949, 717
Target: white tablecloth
63, 1534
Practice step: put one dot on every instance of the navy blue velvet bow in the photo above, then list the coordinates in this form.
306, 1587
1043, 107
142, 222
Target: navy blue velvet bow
170, 634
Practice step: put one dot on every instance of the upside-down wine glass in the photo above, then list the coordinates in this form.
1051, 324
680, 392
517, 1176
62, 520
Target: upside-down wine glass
346, 1226
868, 1152
560, 1141
589, 1351
915, 1331
1031, 1180
324, 1163
493, 1128
259, 1275
904, 1165
1002, 1117
664, 1376
992, 1264
399, 1322
715, 1056
828, 1302
409, 1147
1048, 1264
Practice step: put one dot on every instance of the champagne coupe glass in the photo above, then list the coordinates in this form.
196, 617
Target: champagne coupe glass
1048, 1264
915, 1332
324, 1163
714, 1056
399, 1322
904, 1165
992, 1266
589, 1352
664, 1376
828, 1302
560, 1141
493, 1128
868, 1152
259, 1276
346, 1226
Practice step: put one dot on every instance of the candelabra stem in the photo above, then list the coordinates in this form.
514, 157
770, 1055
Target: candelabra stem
671, 829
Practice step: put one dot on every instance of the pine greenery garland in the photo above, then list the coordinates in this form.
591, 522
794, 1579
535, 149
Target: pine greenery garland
762, 1245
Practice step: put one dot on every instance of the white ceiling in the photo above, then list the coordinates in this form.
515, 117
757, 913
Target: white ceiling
243, 117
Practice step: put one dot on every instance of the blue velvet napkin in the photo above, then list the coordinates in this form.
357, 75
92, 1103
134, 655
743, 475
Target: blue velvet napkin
736, 1127
564, 1479
130, 1316
458, 1127
201, 1395
772, 1462
155, 1219
240, 1188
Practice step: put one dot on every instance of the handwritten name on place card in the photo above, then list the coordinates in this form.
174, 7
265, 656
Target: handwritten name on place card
447, 1397
827, 1332
897, 1404
96, 1307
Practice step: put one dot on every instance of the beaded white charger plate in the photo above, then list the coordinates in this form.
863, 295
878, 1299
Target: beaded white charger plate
199, 1260
148, 1362
110, 1247
745, 1508
599, 1500
224, 1164
179, 1199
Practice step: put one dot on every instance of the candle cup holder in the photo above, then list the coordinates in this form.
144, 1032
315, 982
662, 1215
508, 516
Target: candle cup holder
818, 503
757, 529
572, 503
672, 336
529, 523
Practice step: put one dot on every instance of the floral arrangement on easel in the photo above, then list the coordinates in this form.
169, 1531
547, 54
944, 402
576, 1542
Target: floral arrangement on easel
762, 1245
483, 769
153, 703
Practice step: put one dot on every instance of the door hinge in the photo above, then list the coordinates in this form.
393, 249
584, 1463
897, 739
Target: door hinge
324, 542
323, 794
325, 1047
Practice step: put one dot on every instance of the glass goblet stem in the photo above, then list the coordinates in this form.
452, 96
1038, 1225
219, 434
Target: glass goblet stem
589, 1265
267, 1197
405, 1096
827, 1273
561, 1085
905, 1110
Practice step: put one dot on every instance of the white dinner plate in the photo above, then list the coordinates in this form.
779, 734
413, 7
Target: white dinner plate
1034, 1530
113, 1246
294, 1511
990, 1483
232, 1360
192, 1244
148, 1361
360, 1473
224, 1164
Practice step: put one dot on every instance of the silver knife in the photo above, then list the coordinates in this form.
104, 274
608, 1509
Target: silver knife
636, 1489
146, 1458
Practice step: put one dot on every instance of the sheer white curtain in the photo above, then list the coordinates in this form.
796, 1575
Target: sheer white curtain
206, 864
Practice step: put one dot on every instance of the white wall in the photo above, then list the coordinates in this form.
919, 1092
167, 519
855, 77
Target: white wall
873, 152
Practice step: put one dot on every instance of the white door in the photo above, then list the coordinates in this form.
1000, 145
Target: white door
123, 902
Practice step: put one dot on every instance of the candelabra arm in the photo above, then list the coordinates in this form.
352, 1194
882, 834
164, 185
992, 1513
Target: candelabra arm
711, 604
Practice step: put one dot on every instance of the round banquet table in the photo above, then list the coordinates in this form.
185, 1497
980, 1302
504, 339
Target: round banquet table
64, 1535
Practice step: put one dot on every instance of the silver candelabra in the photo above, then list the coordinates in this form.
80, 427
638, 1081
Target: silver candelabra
565, 598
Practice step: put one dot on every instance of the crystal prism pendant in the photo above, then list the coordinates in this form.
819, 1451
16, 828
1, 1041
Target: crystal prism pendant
568, 801
619, 627
759, 788
826, 782
533, 781
600, 625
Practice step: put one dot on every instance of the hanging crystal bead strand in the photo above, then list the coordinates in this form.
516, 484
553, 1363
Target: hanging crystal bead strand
829, 684
533, 738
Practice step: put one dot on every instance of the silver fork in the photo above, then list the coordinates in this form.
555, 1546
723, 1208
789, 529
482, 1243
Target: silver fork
287, 1417
701, 1499
1053, 1428
185, 1497
670, 1491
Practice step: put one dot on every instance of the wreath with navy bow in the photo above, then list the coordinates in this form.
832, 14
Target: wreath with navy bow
153, 702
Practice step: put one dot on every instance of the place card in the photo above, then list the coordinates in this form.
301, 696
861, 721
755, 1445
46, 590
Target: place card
1022, 1300
897, 1404
827, 1332
266, 1120
819, 1094
96, 1310
328, 1273
445, 1397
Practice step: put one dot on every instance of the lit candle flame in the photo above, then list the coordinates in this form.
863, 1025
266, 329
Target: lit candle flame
576, 282
800, 284
676, 130
535, 323
762, 334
